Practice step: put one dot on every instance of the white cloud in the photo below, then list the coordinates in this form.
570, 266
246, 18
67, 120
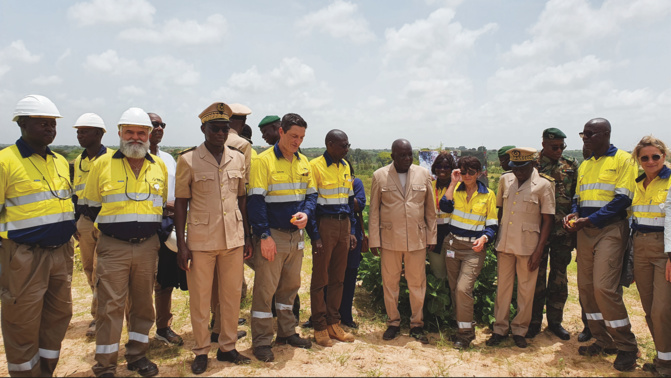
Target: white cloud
132, 91
340, 19
47, 80
291, 73
110, 62
169, 69
64, 56
4, 69
178, 32
97, 12
17, 51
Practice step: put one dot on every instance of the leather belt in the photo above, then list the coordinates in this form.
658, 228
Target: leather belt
339, 216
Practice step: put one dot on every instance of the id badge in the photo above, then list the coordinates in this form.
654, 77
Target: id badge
158, 201
301, 244
449, 254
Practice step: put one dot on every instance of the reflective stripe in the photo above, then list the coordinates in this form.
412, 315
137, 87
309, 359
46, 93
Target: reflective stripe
624, 191
262, 315
594, 316
465, 238
469, 216
91, 203
465, 325
597, 186
288, 186
37, 221
331, 201
311, 191
122, 218
647, 209
664, 356
122, 197
35, 197
593, 203
257, 191
330, 192
138, 337
491, 222
616, 323
282, 306
467, 226
24, 366
107, 349
80, 187
659, 222
50, 354
286, 198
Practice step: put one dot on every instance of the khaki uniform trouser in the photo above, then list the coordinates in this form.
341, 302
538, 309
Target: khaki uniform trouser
36, 305
600, 256
392, 263
163, 305
462, 271
214, 304
437, 261
655, 292
328, 272
509, 266
126, 272
88, 239
228, 265
280, 277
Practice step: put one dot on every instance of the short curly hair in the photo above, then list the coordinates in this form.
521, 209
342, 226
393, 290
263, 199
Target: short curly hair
443, 156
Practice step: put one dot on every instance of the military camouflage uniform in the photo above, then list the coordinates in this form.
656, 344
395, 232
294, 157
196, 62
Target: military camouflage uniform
560, 244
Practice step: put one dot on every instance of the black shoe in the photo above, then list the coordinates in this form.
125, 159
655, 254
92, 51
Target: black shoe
307, 324
595, 350
295, 341
520, 341
391, 333
350, 324
167, 335
144, 367
625, 360
199, 365
264, 353
534, 329
232, 356
559, 331
495, 339
462, 343
585, 335
242, 321
418, 333
241, 334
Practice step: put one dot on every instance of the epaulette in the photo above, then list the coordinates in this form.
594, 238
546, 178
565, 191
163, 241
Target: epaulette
235, 149
185, 151
549, 178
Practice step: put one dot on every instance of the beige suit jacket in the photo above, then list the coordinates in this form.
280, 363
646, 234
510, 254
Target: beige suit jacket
402, 220
214, 220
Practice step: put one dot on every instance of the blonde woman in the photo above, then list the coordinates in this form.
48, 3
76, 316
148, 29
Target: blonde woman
652, 267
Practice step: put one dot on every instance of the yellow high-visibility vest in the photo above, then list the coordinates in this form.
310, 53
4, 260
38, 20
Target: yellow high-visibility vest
334, 182
441, 217
83, 166
599, 180
647, 208
476, 214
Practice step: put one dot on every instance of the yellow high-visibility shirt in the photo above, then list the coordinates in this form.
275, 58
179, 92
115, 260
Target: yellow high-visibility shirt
335, 194
476, 217
35, 197
441, 216
647, 208
83, 164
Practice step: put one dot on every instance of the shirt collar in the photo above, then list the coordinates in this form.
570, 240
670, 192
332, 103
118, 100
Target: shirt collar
329, 160
278, 152
26, 151
664, 174
612, 150
100, 153
120, 155
481, 187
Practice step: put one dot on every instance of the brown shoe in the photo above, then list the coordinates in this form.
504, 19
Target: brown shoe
336, 332
323, 339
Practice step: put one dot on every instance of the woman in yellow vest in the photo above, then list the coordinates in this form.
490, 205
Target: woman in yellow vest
652, 267
441, 168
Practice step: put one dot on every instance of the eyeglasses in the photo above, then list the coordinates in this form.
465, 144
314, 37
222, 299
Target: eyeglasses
589, 134
145, 180
157, 124
646, 158
556, 148
217, 129
470, 172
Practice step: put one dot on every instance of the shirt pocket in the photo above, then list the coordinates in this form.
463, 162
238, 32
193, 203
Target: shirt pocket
531, 233
204, 182
531, 203
418, 193
27, 194
608, 176
234, 177
199, 226
388, 193
480, 208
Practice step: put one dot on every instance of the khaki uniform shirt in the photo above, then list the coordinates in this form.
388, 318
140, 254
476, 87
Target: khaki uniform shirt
235, 140
214, 221
520, 227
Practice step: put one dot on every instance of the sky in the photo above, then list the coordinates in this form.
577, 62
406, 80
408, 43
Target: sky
438, 73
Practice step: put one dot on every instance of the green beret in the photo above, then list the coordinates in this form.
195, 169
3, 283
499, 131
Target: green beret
268, 120
503, 150
553, 133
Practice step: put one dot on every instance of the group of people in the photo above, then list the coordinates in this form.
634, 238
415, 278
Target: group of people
147, 224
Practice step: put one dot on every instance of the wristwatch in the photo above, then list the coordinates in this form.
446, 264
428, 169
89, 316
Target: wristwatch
264, 236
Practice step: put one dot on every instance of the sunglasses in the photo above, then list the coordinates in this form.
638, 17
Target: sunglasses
557, 148
445, 167
589, 134
470, 172
646, 158
217, 129
157, 124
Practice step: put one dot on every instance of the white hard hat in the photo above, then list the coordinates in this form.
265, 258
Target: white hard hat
135, 117
240, 110
90, 120
171, 242
35, 105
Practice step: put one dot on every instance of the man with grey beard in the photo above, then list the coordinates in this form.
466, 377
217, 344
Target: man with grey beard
126, 193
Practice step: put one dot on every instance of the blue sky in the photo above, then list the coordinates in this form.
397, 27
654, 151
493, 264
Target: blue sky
435, 72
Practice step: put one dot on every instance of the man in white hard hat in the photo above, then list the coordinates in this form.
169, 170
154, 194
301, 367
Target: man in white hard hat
169, 276
36, 227
126, 193
90, 130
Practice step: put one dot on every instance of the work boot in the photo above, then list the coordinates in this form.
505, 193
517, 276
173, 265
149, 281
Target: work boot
495, 339
585, 335
242, 321
520, 341
144, 367
264, 353
534, 329
295, 341
559, 331
391, 332
91, 331
323, 338
232, 356
307, 324
168, 336
461, 342
595, 350
336, 332
418, 333
625, 360
199, 364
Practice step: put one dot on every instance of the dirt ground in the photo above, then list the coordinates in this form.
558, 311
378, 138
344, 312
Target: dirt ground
368, 355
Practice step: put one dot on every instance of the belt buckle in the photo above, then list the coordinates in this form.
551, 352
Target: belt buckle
136, 240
